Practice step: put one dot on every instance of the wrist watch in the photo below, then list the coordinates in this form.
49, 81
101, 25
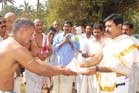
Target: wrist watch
97, 68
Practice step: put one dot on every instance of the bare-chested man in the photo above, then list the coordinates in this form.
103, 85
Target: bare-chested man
40, 48
10, 18
13, 53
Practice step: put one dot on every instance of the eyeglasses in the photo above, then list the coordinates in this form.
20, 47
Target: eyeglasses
2, 22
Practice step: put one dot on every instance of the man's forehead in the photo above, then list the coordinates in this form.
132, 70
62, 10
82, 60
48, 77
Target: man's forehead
109, 22
37, 21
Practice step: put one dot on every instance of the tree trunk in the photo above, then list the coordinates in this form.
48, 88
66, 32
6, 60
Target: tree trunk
38, 1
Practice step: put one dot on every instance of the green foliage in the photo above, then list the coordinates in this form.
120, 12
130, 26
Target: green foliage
79, 11
76, 10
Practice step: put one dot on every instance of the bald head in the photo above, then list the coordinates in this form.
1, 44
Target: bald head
10, 17
38, 25
56, 25
37, 20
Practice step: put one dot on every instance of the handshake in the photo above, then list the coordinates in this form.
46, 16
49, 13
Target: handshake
74, 69
83, 71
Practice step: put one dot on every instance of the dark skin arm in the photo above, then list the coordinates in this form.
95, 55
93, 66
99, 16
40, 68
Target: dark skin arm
37, 66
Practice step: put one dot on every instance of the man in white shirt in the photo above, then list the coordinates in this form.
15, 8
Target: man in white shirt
114, 58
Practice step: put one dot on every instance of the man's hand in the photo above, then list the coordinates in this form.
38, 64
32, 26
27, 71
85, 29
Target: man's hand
89, 71
83, 64
66, 71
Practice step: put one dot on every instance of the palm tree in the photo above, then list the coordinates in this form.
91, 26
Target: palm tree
38, 2
27, 9
4, 2
7, 1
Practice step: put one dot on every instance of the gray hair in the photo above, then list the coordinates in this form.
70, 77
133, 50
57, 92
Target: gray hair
22, 23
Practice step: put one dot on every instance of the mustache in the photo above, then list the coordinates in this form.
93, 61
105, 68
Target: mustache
108, 32
125, 33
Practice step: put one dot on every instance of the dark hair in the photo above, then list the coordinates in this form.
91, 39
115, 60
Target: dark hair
98, 26
22, 22
51, 29
91, 25
68, 22
117, 18
129, 24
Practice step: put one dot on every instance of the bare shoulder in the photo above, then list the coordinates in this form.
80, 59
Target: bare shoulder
15, 51
22, 55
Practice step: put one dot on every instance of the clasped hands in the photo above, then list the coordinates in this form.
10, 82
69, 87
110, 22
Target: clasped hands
68, 71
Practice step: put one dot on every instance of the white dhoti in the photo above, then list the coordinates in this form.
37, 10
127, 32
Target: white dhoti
107, 83
35, 82
133, 78
63, 84
121, 85
88, 85
121, 59
17, 87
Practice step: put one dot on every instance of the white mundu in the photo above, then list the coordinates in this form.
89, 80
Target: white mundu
119, 54
134, 75
35, 82
88, 84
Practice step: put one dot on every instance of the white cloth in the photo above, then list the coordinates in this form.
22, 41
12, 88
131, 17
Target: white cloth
119, 58
35, 82
122, 85
133, 78
1, 38
17, 85
83, 40
134, 75
63, 84
88, 84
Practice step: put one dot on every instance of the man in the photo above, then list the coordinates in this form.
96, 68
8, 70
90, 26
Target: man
115, 59
10, 18
87, 37
128, 29
2, 28
57, 26
13, 53
64, 49
40, 48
